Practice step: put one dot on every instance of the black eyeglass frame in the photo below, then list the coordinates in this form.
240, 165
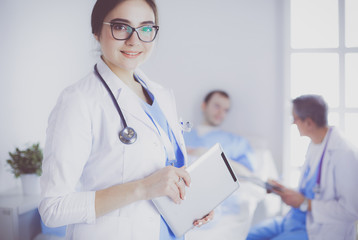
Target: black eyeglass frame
133, 30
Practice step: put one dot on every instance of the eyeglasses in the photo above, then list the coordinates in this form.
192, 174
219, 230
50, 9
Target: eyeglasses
122, 31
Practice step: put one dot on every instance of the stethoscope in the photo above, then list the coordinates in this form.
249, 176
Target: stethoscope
127, 135
317, 187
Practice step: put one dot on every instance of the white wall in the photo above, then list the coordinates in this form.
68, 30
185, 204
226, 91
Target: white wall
45, 46
234, 45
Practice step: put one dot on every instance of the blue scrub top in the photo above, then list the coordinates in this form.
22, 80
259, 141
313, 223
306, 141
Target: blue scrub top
156, 115
295, 218
293, 224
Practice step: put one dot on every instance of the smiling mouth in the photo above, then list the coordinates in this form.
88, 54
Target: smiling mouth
131, 54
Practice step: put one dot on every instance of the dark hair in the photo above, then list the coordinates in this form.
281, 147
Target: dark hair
210, 94
103, 7
311, 106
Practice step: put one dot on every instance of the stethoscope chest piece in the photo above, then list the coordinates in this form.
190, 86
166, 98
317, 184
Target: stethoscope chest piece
127, 135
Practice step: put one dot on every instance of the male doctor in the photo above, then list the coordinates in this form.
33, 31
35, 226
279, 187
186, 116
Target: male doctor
326, 205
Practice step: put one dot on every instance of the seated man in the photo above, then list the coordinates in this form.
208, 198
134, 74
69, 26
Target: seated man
326, 204
233, 217
215, 108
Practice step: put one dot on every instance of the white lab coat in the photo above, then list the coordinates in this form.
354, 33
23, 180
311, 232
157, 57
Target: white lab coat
335, 209
83, 154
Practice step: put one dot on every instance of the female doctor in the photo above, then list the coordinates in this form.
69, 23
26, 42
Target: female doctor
326, 205
113, 139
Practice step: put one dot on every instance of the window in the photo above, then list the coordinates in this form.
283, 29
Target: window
323, 59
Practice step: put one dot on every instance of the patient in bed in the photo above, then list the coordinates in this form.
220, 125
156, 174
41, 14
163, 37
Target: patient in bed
233, 216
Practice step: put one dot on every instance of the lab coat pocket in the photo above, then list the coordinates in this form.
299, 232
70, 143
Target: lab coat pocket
147, 228
106, 227
332, 231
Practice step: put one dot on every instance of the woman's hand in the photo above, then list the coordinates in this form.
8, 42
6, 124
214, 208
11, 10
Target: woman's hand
169, 181
288, 196
205, 219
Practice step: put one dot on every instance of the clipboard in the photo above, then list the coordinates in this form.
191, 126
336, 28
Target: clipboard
212, 181
261, 183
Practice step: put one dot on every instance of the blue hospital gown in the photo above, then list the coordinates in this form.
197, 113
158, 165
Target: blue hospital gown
235, 147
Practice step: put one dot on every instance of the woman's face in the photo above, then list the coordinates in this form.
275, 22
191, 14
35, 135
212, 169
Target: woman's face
126, 55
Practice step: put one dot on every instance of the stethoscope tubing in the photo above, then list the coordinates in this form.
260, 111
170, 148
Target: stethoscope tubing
317, 187
127, 135
112, 97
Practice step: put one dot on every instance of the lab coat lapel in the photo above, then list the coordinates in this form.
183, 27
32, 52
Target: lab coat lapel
129, 103
166, 103
126, 98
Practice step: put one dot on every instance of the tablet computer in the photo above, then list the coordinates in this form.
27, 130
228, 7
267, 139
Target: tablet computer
212, 181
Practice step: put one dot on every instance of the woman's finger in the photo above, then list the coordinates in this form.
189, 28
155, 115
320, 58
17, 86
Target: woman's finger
211, 214
182, 173
180, 184
174, 193
207, 218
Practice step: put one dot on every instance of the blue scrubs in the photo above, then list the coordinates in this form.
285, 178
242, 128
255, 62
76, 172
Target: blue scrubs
293, 225
235, 147
156, 115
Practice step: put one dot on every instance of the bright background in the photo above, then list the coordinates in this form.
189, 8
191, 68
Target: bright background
244, 47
